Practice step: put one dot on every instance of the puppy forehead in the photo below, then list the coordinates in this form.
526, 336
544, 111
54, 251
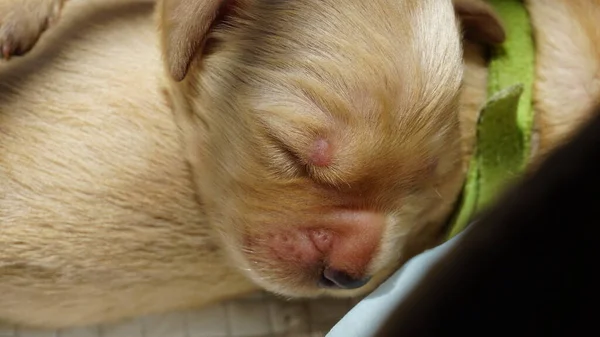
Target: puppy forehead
344, 60
327, 27
271, 39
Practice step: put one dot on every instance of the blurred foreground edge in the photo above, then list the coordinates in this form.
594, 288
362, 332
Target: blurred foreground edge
528, 267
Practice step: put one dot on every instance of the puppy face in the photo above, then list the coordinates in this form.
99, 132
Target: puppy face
322, 134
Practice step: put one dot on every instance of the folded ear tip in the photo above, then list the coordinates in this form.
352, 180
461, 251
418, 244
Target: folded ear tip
497, 34
490, 36
184, 25
178, 57
178, 71
480, 22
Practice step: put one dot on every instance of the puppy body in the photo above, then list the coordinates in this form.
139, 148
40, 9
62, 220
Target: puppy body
98, 219
387, 122
288, 132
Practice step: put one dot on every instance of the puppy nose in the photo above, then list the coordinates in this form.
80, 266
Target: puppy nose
343, 241
332, 279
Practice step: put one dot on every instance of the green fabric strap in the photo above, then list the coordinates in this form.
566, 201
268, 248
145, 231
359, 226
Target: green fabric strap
506, 121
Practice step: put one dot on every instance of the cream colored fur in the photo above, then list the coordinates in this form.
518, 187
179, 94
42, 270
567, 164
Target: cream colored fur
98, 219
248, 119
567, 35
115, 200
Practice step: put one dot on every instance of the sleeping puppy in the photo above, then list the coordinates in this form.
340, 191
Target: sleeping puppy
340, 114
355, 122
315, 146
330, 154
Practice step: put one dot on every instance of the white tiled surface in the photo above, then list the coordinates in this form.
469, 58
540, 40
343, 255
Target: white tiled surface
259, 315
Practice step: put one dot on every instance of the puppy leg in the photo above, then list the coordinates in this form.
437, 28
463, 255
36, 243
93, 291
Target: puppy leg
22, 22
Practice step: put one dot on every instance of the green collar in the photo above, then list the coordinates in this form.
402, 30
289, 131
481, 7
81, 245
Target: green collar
506, 120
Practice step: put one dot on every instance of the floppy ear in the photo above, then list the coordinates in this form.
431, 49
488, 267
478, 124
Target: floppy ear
480, 22
185, 24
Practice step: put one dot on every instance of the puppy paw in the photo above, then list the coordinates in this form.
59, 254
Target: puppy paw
22, 22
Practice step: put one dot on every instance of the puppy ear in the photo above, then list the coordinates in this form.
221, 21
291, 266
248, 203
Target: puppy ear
184, 25
480, 22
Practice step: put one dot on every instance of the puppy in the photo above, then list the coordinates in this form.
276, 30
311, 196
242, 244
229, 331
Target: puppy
306, 147
313, 179
343, 111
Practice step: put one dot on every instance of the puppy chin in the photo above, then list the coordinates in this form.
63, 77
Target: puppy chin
287, 290
291, 280
290, 290
366, 289
301, 286
251, 271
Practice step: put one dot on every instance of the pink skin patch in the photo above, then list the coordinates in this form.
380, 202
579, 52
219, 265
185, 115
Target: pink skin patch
298, 246
322, 239
321, 153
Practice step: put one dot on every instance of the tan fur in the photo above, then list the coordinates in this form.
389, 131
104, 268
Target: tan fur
567, 35
111, 208
98, 220
473, 95
246, 154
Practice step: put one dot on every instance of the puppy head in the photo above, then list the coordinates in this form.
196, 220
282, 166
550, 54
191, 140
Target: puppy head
322, 133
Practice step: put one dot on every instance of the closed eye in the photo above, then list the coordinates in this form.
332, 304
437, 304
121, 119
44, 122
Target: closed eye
286, 160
